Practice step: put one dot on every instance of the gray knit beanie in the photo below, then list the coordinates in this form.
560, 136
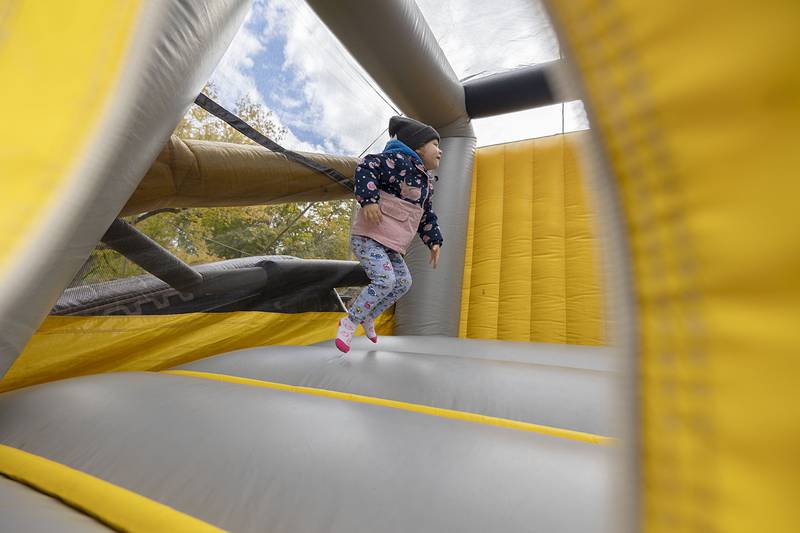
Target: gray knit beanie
412, 133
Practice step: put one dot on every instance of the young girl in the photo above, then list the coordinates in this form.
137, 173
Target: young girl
394, 190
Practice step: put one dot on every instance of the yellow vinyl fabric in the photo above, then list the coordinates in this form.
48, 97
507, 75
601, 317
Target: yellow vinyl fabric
530, 268
697, 106
73, 346
58, 72
114, 506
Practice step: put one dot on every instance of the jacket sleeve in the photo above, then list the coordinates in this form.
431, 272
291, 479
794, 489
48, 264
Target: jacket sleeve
367, 179
429, 226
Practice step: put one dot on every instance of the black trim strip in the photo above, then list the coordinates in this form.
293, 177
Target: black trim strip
148, 254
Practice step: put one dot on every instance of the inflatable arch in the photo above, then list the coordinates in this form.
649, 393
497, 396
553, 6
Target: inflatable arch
613, 348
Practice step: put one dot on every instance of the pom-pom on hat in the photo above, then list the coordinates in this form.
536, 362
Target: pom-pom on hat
412, 133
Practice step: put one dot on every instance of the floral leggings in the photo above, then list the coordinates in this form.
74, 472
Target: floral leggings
388, 274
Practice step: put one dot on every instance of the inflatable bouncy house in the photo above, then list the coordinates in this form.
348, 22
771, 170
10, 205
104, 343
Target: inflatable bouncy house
609, 344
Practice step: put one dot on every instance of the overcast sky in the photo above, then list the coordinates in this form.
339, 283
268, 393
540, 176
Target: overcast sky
284, 58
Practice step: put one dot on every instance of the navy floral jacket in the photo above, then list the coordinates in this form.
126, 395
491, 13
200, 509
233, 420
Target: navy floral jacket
399, 171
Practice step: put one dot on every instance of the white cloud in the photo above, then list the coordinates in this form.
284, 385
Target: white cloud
288, 102
341, 102
321, 90
233, 77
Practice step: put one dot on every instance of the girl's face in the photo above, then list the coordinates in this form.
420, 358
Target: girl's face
430, 154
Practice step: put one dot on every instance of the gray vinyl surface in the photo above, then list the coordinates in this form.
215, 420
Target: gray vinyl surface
23, 510
426, 88
565, 355
253, 459
519, 382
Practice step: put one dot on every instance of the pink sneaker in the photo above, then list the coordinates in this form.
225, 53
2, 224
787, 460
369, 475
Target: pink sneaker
369, 329
345, 334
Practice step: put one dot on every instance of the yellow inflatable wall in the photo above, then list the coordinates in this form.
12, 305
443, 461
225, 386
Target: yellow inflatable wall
531, 272
69, 346
71, 53
697, 105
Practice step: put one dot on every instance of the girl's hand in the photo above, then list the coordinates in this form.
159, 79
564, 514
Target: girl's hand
434, 255
373, 213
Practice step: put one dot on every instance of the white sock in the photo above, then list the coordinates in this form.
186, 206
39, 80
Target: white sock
369, 329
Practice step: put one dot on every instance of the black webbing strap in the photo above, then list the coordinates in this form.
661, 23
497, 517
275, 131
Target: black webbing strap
251, 133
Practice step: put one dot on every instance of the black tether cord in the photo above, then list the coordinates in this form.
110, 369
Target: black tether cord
251, 133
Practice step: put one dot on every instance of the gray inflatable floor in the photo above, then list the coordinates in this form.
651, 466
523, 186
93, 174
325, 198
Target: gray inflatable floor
255, 459
569, 387
24, 510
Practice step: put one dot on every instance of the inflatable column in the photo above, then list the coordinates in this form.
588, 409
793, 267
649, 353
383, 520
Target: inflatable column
95, 100
394, 44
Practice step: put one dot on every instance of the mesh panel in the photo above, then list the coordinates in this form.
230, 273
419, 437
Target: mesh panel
217, 239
